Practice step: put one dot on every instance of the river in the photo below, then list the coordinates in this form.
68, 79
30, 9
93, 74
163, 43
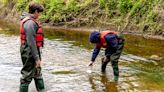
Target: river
64, 65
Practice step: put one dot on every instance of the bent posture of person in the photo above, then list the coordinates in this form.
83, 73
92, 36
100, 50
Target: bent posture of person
114, 43
31, 37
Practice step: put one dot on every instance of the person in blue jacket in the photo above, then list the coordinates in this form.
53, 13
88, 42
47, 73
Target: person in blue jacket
114, 43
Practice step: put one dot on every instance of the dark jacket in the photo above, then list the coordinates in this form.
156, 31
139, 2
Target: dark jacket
111, 40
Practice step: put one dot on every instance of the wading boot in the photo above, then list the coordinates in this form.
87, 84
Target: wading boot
23, 88
115, 78
103, 67
104, 62
116, 72
39, 83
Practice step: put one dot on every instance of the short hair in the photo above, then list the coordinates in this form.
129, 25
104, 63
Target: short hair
35, 6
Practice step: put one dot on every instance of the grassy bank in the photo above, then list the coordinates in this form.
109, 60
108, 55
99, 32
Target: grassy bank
141, 16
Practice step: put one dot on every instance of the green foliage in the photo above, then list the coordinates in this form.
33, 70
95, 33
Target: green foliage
151, 16
84, 3
125, 6
136, 13
22, 5
5, 2
136, 7
55, 9
102, 3
112, 4
72, 6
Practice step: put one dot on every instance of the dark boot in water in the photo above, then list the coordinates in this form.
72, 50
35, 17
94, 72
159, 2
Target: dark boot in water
116, 78
39, 83
104, 64
115, 71
23, 88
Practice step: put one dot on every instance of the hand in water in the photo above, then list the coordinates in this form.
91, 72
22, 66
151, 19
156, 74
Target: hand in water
89, 70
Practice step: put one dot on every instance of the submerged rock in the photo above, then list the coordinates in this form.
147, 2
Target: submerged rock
155, 58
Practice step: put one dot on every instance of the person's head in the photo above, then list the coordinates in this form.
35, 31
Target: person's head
94, 37
35, 9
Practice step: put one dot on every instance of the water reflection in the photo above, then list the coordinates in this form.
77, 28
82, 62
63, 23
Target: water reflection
101, 83
93, 85
109, 86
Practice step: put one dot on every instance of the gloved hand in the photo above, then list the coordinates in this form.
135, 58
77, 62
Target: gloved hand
105, 59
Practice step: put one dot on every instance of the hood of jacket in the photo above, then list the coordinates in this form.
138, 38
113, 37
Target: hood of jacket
94, 37
25, 14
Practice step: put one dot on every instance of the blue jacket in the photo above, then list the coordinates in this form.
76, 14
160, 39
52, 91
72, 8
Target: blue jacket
111, 40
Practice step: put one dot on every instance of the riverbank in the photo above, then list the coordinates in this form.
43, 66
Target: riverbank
90, 29
15, 25
148, 25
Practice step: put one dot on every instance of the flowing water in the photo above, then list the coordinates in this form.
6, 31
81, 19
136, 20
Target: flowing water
64, 66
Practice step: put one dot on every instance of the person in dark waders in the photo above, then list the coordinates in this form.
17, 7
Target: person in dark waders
31, 37
113, 42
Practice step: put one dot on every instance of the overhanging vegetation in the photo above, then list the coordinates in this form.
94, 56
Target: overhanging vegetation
121, 15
